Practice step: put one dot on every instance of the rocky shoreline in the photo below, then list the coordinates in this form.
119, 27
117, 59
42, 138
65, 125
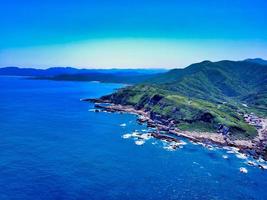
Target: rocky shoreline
255, 147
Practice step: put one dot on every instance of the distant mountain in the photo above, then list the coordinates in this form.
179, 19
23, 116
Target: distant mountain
215, 81
16, 71
72, 74
257, 60
203, 95
114, 77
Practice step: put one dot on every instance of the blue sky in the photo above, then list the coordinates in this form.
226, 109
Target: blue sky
130, 34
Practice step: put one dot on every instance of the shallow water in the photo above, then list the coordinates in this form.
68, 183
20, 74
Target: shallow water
52, 147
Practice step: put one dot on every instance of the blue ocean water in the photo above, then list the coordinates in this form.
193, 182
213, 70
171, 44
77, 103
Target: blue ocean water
52, 147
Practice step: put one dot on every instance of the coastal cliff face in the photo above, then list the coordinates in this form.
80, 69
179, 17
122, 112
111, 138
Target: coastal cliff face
202, 97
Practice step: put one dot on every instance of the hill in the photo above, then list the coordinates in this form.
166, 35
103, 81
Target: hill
16, 71
203, 95
218, 82
257, 60
73, 74
118, 77
53, 71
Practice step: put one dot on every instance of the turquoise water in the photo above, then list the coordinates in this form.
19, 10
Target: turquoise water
52, 147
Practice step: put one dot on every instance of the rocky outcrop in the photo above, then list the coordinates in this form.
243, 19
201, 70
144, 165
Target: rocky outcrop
206, 117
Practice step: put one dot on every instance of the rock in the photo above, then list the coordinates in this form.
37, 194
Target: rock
207, 117
95, 100
261, 166
243, 170
139, 142
251, 163
165, 137
126, 136
151, 124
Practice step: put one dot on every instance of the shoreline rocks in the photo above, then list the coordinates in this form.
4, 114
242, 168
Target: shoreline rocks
254, 148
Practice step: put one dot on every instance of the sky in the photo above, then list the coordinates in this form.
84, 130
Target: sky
130, 34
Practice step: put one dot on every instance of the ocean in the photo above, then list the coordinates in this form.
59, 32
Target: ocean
53, 147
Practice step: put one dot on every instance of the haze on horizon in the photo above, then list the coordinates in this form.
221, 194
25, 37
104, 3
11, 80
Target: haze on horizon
130, 34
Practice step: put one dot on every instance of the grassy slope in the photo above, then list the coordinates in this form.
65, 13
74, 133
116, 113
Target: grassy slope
221, 81
188, 112
195, 96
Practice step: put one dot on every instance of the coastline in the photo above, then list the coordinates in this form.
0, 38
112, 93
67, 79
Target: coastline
252, 147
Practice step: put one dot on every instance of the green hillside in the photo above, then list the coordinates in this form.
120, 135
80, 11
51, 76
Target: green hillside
203, 95
219, 81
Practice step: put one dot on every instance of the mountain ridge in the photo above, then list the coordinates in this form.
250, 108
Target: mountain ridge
221, 80
222, 90
17, 71
128, 76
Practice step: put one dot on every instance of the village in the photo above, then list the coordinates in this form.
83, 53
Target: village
253, 120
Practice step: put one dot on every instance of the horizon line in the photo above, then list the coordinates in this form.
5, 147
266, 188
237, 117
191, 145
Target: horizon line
126, 68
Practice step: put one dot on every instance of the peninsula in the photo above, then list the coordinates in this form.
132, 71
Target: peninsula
221, 102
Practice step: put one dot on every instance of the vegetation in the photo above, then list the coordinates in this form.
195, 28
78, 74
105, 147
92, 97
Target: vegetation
101, 77
203, 95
